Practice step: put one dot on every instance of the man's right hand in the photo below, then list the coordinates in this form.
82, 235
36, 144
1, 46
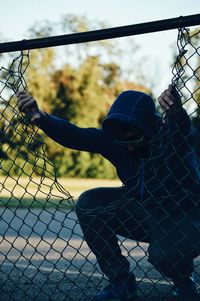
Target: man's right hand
28, 105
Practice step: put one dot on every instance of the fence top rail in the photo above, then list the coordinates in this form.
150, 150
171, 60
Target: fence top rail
101, 34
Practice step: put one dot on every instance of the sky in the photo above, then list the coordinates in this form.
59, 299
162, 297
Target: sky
18, 15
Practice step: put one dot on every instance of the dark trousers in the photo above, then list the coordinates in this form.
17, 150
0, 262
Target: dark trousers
104, 213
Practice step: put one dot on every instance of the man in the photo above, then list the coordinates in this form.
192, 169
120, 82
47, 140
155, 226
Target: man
158, 202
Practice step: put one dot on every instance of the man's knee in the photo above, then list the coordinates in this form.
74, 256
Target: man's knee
159, 256
84, 201
170, 261
168, 254
98, 197
90, 199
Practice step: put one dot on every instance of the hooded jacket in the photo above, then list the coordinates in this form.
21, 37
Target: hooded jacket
169, 174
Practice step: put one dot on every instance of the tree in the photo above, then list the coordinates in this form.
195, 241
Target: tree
80, 89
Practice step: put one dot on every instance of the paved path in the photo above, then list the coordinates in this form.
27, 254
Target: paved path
43, 257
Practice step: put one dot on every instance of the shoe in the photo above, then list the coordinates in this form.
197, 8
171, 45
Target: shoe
119, 291
186, 291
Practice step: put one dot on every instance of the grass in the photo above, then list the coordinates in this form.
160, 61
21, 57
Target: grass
34, 203
23, 193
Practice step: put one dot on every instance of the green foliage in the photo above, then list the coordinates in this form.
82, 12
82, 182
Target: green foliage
38, 76
80, 90
83, 97
81, 93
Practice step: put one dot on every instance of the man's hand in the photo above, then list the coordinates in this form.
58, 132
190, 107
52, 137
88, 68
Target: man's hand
170, 101
28, 105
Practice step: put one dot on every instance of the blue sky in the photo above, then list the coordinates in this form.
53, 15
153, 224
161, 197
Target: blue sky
18, 15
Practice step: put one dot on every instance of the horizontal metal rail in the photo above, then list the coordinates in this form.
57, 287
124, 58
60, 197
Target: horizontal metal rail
101, 34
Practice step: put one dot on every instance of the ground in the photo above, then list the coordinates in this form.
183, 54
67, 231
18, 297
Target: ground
43, 257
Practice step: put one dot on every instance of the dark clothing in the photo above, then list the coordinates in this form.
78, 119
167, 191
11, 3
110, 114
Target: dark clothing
101, 227
164, 184
170, 172
173, 240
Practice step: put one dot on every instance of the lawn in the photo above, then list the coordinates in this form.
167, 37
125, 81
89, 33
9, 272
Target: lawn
36, 192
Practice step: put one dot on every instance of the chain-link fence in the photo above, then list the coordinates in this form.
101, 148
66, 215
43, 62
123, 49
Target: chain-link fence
42, 251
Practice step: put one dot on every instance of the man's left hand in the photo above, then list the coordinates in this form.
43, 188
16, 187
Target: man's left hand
170, 101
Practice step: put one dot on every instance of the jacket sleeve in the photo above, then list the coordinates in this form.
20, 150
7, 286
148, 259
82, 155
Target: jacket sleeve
181, 133
179, 122
74, 137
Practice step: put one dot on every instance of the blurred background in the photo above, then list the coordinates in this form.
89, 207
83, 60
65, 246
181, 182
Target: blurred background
80, 82
43, 254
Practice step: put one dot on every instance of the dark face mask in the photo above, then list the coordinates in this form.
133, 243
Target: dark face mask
134, 141
131, 137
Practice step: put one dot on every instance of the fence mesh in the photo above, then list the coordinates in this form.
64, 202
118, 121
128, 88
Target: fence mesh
42, 251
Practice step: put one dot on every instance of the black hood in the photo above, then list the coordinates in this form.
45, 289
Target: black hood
134, 108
